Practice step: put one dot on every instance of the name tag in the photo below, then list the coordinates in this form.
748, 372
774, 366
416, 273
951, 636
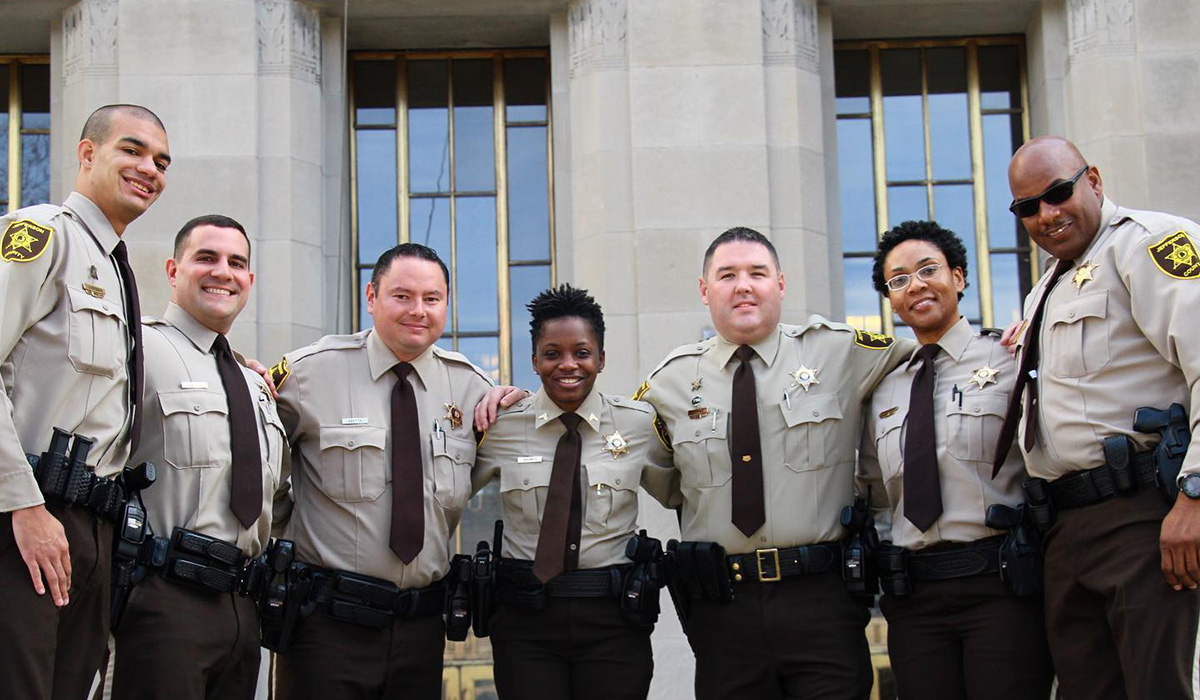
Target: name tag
193, 385
355, 421
528, 460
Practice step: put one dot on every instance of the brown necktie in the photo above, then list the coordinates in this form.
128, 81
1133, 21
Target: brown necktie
408, 502
558, 539
247, 493
922, 487
749, 511
1029, 362
133, 319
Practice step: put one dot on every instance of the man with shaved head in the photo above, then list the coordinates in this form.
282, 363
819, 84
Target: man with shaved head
1110, 328
70, 358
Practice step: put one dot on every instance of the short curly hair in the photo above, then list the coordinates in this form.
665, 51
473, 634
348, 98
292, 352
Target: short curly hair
944, 240
565, 301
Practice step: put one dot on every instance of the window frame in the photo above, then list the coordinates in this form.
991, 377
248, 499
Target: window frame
16, 129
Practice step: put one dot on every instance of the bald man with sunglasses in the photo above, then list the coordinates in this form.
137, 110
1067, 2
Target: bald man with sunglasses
1109, 328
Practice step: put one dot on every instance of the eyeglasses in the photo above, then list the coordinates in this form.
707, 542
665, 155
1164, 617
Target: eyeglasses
900, 282
1054, 194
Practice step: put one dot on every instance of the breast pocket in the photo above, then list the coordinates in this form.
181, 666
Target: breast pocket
96, 336
353, 468
974, 428
452, 459
523, 488
702, 452
889, 445
273, 438
1077, 336
612, 504
812, 423
195, 428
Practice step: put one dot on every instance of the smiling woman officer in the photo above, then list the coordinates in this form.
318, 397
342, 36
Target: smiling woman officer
954, 631
570, 460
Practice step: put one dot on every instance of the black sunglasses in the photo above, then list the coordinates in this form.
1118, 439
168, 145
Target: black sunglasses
1054, 194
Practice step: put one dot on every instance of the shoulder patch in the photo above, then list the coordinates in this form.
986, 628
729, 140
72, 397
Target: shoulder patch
1175, 256
25, 241
641, 391
660, 429
280, 373
872, 341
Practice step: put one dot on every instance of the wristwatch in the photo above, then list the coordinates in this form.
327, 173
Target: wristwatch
1190, 486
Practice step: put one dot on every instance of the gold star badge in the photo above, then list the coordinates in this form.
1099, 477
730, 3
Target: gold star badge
984, 375
616, 444
696, 384
453, 414
1083, 273
804, 378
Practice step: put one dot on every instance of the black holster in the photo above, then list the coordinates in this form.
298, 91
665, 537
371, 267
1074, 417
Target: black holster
458, 598
643, 583
1021, 566
1175, 431
1039, 509
860, 551
483, 582
131, 535
892, 565
277, 609
696, 570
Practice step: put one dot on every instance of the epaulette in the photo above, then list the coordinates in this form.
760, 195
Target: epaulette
459, 358
519, 407
622, 402
153, 321
994, 332
327, 343
28, 233
684, 351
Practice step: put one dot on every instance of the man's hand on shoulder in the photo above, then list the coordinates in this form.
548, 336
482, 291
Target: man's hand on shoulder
43, 546
263, 370
1009, 338
497, 397
1180, 544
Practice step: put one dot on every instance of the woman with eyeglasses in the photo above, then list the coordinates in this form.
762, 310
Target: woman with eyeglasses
957, 627
570, 460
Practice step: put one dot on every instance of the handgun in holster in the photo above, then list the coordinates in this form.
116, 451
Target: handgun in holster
1021, 566
286, 601
696, 570
483, 582
133, 533
1175, 433
859, 551
458, 598
644, 581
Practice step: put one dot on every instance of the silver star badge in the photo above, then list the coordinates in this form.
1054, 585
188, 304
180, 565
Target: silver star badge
983, 376
804, 378
616, 444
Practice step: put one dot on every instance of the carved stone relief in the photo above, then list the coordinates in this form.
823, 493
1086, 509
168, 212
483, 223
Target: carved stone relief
89, 39
1100, 27
597, 37
289, 39
790, 33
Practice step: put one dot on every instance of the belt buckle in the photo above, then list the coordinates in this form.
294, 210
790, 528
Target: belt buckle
773, 553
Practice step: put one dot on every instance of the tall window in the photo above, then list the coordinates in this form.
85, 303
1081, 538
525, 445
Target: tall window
453, 151
24, 131
925, 131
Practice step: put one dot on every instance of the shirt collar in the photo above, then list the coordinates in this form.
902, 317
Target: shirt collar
766, 349
96, 222
201, 335
381, 359
1109, 216
548, 411
953, 342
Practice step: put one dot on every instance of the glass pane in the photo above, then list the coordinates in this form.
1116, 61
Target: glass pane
376, 171
429, 224
903, 128
3, 138
475, 271
528, 194
862, 301
949, 134
906, 203
857, 182
35, 169
525, 282
375, 92
364, 318
999, 143
1006, 291
474, 127
525, 89
428, 127
852, 81
484, 352
479, 519
955, 210
35, 96
1000, 77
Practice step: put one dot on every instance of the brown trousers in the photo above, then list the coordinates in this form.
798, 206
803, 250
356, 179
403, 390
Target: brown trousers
800, 639
1117, 630
186, 644
334, 660
573, 649
967, 639
52, 652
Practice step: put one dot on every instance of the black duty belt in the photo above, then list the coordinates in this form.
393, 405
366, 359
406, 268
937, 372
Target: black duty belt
80, 487
774, 564
369, 601
948, 561
516, 581
1094, 485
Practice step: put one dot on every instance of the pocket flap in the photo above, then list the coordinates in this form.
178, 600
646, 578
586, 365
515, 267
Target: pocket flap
701, 429
457, 449
522, 477
196, 402
1093, 305
615, 476
352, 437
980, 404
810, 409
82, 301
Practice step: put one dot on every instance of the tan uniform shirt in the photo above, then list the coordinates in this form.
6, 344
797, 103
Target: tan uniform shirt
808, 436
620, 451
185, 434
336, 408
1120, 332
64, 340
966, 426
